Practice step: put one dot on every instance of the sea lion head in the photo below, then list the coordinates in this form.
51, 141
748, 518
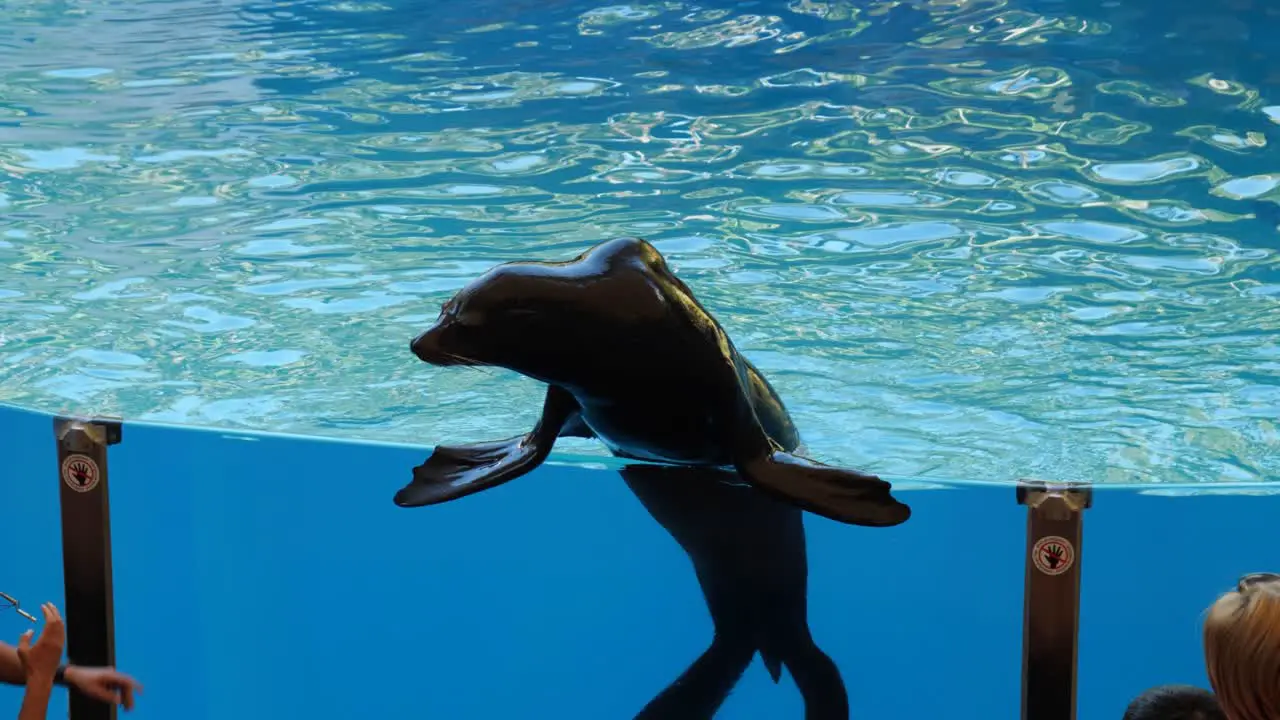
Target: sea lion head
484, 322
514, 317
553, 321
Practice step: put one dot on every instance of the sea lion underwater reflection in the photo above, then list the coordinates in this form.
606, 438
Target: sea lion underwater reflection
630, 357
748, 552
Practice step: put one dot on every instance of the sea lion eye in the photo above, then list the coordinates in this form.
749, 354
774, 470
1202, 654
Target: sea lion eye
470, 318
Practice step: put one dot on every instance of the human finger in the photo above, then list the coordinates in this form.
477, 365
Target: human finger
100, 691
54, 632
115, 677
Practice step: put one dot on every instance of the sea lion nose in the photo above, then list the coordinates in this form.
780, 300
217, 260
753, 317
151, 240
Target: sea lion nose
421, 346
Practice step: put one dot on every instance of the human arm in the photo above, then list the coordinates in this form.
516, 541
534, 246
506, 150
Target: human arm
39, 664
11, 672
102, 683
105, 684
10, 666
35, 703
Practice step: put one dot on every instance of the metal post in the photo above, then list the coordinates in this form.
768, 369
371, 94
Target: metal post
1051, 599
86, 550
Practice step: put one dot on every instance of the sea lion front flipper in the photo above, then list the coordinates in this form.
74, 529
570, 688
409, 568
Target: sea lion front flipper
454, 471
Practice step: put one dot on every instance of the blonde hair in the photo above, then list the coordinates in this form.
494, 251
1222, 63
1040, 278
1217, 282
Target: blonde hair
1242, 648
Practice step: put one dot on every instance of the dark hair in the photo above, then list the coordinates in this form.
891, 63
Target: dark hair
1175, 702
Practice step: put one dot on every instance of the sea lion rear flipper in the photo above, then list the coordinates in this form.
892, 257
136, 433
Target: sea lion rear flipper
842, 495
454, 471
845, 496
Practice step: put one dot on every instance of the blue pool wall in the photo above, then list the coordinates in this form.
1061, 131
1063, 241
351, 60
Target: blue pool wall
268, 577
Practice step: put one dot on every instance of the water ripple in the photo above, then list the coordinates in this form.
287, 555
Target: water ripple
982, 239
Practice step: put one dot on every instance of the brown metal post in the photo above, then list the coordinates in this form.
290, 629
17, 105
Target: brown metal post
1051, 599
86, 550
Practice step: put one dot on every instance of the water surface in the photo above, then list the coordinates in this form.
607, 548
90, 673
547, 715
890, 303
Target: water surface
964, 239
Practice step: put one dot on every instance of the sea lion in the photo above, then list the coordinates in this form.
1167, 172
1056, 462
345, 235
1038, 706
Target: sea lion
630, 357
748, 552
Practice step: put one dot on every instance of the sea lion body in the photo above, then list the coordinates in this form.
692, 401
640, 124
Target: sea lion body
663, 417
632, 358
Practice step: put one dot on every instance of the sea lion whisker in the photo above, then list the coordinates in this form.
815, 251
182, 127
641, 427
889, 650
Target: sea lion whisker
463, 361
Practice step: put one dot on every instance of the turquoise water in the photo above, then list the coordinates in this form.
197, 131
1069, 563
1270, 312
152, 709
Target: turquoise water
965, 240
975, 240
265, 578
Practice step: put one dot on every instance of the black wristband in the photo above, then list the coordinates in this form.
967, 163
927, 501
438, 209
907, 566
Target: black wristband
60, 675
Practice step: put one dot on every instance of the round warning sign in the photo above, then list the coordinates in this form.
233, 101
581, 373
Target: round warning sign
80, 473
1053, 555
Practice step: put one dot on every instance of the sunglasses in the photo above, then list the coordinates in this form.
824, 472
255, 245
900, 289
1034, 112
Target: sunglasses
8, 600
1257, 580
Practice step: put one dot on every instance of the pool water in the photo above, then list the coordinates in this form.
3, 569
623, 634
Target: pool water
976, 240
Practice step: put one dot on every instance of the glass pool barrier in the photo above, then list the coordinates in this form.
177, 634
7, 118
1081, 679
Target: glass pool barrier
1051, 602
1047, 555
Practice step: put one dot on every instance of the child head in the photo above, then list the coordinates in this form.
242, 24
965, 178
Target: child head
1242, 648
1175, 702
